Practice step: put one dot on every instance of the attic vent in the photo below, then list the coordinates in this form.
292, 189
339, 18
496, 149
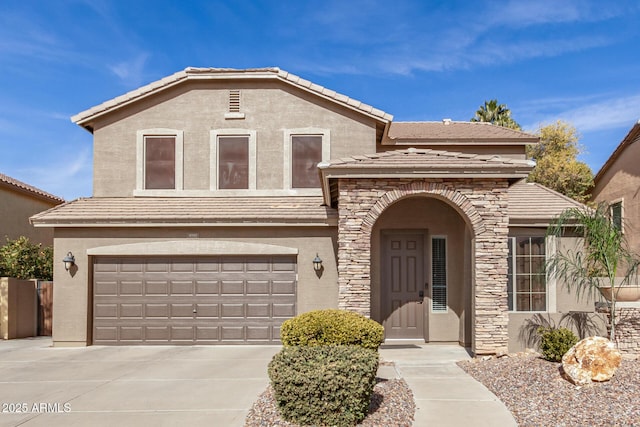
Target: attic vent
446, 121
234, 101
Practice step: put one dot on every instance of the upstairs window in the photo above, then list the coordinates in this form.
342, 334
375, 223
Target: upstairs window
233, 162
304, 149
527, 282
306, 153
160, 163
159, 160
233, 159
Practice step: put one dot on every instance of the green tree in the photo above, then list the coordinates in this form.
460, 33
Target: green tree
604, 260
22, 259
557, 166
495, 113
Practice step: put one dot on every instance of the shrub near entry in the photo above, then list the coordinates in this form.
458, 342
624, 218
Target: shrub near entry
327, 327
554, 343
324, 385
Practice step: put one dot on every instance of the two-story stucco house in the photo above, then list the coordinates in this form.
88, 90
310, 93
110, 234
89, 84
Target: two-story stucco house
216, 189
18, 202
617, 184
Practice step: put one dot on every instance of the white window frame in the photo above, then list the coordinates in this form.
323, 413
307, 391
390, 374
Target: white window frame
213, 162
446, 269
141, 136
550, 248
288, 156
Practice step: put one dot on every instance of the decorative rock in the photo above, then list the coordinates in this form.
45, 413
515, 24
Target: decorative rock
592, 359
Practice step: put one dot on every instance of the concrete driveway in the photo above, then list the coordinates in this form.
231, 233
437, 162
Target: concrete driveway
129, 386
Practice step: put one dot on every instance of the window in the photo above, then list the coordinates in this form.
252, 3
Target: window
527, 284
304, 149
438, 275
233, 159
306, 153
615, 212
159, 160
160, 163
233, 162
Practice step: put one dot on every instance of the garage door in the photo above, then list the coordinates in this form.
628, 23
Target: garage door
199, 300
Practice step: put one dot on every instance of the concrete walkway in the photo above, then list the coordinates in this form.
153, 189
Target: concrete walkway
445, 395
205, 385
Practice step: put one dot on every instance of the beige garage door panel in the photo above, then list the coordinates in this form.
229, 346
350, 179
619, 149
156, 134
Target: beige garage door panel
203, 300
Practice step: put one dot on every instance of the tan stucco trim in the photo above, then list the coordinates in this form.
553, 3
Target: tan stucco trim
193, 247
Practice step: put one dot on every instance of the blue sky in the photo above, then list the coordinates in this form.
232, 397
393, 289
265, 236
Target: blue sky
418, 60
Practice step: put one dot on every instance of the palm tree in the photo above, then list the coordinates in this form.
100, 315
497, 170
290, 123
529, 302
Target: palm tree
605, 259
497, 114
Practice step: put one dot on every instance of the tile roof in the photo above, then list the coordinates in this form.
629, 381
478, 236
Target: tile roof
450, 131
531, 202
428, 160
26, 188
205, 211
193, 73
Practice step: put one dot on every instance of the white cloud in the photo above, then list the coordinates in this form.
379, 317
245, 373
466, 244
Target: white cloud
588, 114
131, 72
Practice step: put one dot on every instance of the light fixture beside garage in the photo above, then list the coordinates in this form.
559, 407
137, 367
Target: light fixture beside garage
69, 261
317, 263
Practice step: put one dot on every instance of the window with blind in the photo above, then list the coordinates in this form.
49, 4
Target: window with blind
160, 162
438, 275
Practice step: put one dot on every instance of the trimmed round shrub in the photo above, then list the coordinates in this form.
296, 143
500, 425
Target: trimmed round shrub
331, 327
324, 385
554, 343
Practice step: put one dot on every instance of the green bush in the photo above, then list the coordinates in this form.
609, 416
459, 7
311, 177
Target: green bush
324, 385
328, 327
554, 343
22, 259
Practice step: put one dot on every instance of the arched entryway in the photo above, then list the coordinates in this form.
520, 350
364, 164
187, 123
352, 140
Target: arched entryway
421, 271
483, 205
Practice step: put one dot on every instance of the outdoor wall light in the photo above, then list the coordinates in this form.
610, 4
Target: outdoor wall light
69, 261
317, 263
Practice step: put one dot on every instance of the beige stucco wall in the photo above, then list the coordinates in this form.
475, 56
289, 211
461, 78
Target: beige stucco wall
621, 182
71, 324
18, 308
196, 108
15, 209
566, 298
437, 219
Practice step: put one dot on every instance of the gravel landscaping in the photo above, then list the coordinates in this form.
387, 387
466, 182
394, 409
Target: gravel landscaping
391, 405
536, 394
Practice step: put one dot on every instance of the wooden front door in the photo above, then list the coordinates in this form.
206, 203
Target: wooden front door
403, 284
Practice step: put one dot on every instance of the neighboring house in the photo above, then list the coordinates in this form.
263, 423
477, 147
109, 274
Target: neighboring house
18, 202
215, 190
618, 184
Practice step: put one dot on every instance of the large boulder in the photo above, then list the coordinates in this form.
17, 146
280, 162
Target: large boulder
592, 359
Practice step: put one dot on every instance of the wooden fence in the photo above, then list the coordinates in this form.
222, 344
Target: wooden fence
45, 308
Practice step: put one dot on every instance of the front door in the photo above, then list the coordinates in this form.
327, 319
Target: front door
403, 284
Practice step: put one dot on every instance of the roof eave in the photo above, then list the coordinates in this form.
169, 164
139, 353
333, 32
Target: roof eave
87, 117
631, 136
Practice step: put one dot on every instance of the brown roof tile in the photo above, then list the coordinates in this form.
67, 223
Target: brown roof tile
206, 211
428, 160
450, 131
534, 203
26, 188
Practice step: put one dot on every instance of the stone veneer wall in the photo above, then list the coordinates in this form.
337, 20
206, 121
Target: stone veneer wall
627, 329
482, 202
